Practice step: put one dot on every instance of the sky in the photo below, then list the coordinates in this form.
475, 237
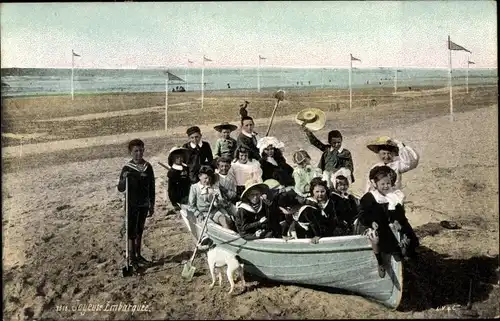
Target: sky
233, 34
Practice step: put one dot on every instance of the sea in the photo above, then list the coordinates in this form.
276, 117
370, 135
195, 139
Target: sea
51, 81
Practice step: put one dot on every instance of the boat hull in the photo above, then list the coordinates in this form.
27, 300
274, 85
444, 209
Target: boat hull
341, 263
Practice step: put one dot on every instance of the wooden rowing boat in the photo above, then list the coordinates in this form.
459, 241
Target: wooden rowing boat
341, 263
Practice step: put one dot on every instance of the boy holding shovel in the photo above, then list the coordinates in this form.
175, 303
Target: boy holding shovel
141, 197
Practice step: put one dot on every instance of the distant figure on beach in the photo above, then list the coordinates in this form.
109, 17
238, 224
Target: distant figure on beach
297, 83
409, 87
181, 89
302, 83
173, 90
228, 86
309, 82
367, 82
330, 80
243, 109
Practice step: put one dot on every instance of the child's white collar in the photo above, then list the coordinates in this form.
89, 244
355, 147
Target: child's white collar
339, 150
194, 145
248, 207
251, 135
179, 167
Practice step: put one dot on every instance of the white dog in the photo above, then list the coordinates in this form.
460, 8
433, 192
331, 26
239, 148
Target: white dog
217, 258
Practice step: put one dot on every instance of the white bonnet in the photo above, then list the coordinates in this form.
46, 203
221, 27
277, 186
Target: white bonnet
267, 141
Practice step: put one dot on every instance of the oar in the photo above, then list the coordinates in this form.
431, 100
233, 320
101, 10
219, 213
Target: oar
126, 270
188, 270
279, 95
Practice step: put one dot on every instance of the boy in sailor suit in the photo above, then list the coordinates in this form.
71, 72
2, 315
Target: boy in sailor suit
141, 197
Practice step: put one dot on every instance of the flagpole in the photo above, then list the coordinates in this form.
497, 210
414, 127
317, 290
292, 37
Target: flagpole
450, 81
258, 76
350, 80
467, 75
396, 81
166, 103
202, 81
322, 81
186, 76
72, 67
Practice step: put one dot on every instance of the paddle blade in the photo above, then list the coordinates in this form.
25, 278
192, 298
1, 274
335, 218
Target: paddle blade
188, 271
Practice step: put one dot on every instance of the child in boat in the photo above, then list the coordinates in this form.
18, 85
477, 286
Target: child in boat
334, 156
202, 194
320, 197
282, 204
248, 138
226, 179
178, 178
252, 213
304, 172
306, 224
380, 207
272, 162
226, 145
396, 155
141, 197
200, 152
345, 204
245, 168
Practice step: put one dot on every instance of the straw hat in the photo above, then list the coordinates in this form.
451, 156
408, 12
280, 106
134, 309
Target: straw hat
272, 183
225, 125
176, 150
300, 156
383, 142
251, 185
314, 118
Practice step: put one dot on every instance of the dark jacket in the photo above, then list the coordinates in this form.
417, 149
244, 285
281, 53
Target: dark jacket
247, 220
371, 211
250, 143
141, 185
329, 222
179, 185
344, 158
283, 173
309, 216
346, 208
198, 156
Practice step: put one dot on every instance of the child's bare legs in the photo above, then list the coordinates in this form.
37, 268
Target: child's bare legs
221, 219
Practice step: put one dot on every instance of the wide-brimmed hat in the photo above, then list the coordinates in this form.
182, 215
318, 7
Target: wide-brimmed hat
267, 141
272, 183
225, 125
383, 143
176, 150
313, 118
300, 156
251, 185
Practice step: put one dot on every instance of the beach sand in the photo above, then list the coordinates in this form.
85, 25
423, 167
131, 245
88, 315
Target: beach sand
62, 214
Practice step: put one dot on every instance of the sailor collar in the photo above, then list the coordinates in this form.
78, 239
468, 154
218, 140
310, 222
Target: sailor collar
249, 207
138, 167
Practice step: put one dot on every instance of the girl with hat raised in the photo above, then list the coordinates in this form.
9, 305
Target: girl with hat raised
334, 156
273, 163
225, 145
252, 213
396, 155
178, 177
304, 172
